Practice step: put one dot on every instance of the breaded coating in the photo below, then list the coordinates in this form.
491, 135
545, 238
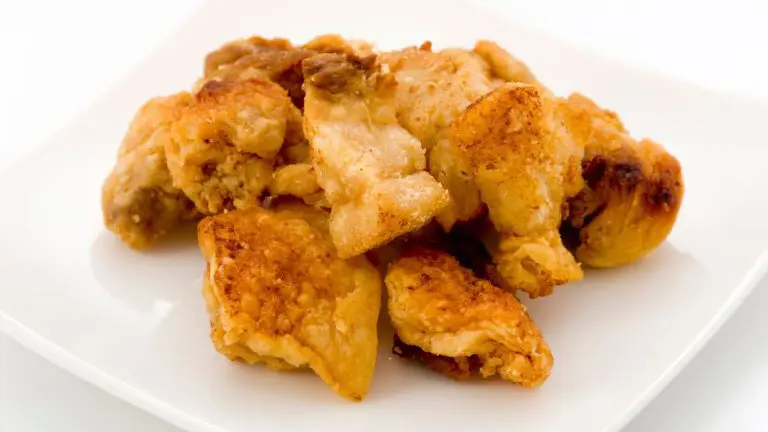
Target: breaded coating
223, 146
297, 180
295, 176
138, 200
448, 165
504, 66
458, 323
632, 195
370, 168
281, 66
277, 294
276, 60
434, 88
526, 165
333, 43
232, 51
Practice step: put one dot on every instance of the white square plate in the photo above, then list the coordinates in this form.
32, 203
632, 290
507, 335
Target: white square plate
135, 324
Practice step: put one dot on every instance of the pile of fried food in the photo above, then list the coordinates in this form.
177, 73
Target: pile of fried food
453, 177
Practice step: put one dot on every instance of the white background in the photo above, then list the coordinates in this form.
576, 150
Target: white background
58, 57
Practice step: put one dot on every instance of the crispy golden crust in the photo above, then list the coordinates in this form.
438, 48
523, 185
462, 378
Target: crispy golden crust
632, 195
139, 201
525, 166
503, 65
370, 168
223, 146
277, 294
443, 309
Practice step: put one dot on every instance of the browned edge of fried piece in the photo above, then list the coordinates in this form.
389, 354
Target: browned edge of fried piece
456, 368
231, 51
282, 67
335, 73
138, 200
504, 65
632, 194
334, 43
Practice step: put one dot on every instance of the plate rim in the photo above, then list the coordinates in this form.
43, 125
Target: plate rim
742, 291
99, 378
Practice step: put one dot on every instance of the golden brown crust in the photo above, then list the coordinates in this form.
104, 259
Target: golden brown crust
528, 113
632, 194
223, 146
445, 310
139, 201
277, 294
214, 94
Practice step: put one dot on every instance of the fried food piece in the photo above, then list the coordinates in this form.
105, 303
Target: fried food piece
277, 294
632, 195
452, 170
138, 200
333, 43
434, 88
457, 323
223, 145
370, 168
295, 176
232, 51
525, 165
504, 66
275, 59
282, 67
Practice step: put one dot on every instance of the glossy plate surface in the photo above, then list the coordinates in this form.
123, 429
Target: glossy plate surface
135, 324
